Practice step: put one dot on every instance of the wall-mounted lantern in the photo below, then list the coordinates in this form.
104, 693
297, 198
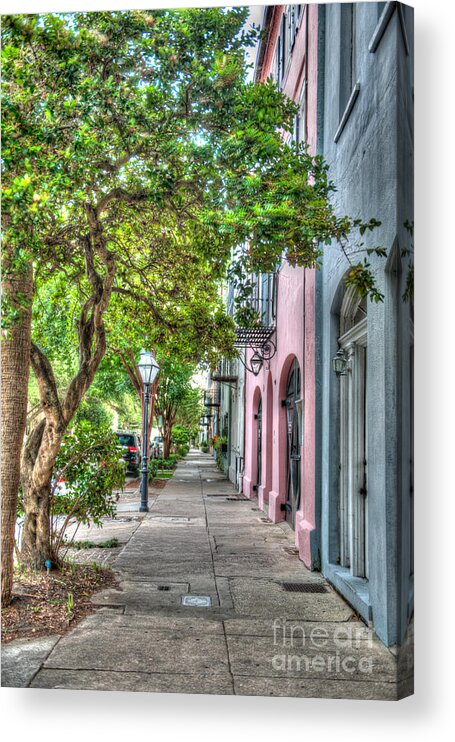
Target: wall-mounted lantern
256, 363
340, 363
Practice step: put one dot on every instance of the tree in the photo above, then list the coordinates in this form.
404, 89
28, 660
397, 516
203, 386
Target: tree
174, 391
190, 411
193, 325
74, 99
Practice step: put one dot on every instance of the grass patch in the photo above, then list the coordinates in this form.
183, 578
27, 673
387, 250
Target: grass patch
164, 474
109, 544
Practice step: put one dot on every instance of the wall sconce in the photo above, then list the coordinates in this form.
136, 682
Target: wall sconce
340, 363
256, 363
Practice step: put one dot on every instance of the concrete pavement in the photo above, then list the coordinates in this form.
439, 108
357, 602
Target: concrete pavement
242, 631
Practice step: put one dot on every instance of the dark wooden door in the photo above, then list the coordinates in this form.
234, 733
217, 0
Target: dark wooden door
259, 445
293, 447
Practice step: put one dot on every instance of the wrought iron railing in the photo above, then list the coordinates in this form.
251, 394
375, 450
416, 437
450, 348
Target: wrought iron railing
212, 398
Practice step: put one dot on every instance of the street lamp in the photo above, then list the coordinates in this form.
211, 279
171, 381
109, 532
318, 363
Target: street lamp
148, 369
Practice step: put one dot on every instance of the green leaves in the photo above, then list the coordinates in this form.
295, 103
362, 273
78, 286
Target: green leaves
91, 466
361, 278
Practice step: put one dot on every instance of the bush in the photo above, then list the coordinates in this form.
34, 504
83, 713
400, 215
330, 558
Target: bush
169, 463
182, 451
153, 468
90, 466
204, 448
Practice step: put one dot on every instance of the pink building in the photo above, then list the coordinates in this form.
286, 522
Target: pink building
280, 435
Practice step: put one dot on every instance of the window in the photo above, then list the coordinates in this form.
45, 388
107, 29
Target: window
300, 132
267, 293
281, 53
348, 54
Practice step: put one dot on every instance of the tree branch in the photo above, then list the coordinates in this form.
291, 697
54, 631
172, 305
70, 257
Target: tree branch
47, 386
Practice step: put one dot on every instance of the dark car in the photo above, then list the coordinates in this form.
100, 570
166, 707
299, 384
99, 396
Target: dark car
131, 447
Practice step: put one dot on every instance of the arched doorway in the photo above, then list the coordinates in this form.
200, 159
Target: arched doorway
259, 446
293, 477
353, 493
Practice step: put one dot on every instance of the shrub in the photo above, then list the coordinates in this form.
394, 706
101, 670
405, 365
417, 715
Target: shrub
169, 463
182, 451
153, 468
90, 466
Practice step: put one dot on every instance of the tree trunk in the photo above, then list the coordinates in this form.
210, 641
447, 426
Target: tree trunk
38, 461
15, 366
167, 442
36, 545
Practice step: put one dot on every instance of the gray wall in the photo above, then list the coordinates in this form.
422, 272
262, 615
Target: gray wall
372, 167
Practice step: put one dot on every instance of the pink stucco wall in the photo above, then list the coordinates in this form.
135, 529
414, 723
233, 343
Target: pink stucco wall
295, 335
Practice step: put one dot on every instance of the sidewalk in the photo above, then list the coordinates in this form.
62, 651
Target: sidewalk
203, 544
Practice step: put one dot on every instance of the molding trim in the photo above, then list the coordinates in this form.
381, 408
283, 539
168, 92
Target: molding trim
350, 105
383, 23
403, 28
381, 27
357, 334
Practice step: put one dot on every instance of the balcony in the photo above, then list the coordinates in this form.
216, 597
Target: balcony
263, 304
225, 373
252, 337
212, 398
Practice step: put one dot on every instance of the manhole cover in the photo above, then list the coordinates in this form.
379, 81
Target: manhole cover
303, 587
163, 588
197, 601
170, 518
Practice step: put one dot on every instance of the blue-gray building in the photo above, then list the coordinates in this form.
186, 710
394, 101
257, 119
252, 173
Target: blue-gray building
365, 414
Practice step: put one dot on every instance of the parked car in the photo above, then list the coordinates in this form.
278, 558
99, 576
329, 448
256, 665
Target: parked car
131, 446
156, 448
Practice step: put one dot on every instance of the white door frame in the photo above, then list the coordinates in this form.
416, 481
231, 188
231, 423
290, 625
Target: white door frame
353, 452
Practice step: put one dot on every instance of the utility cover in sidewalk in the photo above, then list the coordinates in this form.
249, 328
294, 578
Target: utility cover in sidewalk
171, 518
303, 587
197, 601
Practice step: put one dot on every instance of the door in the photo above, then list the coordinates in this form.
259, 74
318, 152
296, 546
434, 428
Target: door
259, 446
293, 445
354, 453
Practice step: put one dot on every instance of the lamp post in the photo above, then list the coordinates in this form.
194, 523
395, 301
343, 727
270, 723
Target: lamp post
148, 369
